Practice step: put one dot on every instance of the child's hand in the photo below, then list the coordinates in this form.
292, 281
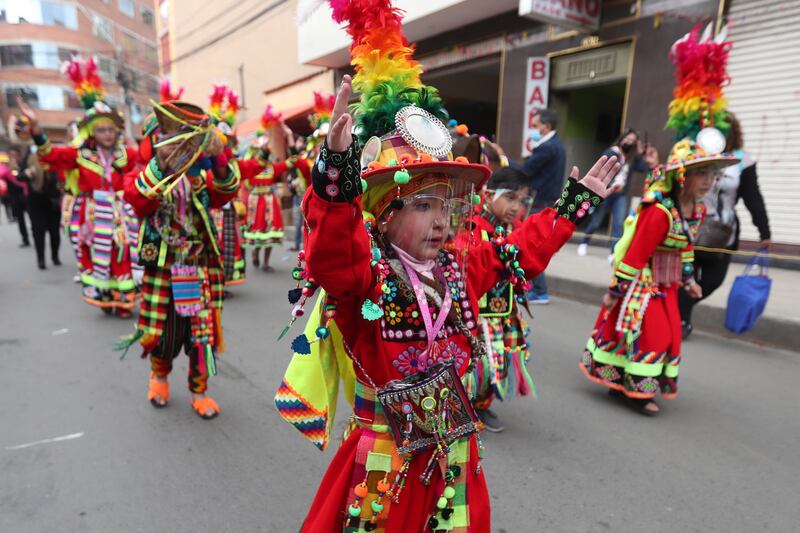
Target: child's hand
599, 176
609, 301
28, 113
214, 145
339, 136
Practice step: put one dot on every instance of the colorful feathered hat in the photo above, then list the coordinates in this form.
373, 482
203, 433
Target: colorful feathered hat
89, 89
398, 118
269, 119
165, 91
224, 105
697, 112
320, 119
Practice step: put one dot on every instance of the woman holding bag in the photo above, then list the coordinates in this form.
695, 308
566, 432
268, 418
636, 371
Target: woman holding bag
721, 229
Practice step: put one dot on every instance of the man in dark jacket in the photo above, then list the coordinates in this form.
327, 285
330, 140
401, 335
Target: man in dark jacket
545, 169
44, 206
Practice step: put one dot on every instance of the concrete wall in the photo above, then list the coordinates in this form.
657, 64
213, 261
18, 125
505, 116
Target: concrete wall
267, 47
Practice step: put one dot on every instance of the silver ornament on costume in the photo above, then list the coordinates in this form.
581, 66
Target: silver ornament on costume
711, 141
370, 151
423, 131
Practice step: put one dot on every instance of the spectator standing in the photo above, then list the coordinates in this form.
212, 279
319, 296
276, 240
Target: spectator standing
44, 206
721, 229
544, 169
626, 148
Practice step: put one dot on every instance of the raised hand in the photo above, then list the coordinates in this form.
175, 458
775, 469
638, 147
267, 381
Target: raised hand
599, 176
339, 137
28, 113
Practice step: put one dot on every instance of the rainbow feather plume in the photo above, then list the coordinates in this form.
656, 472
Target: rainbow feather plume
700, 75
233, 107
165, 91
269, 119
323, 109
224, 104
85, 81
386, 74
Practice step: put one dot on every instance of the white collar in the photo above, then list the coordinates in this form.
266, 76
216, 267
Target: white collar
545, 138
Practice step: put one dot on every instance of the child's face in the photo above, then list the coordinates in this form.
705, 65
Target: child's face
699, 182
508, 205
105, 133
422, 226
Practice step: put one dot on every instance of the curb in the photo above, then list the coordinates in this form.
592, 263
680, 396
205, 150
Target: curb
768, 331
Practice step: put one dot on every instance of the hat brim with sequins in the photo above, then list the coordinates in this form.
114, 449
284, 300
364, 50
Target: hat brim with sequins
420, 145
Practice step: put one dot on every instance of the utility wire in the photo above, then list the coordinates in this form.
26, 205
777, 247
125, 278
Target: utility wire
216, 18
230, 31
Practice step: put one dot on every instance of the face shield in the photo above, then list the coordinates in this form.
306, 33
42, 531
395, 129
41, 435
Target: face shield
434, 215
508, 204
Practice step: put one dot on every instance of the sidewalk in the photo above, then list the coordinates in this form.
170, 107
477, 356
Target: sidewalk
586, 278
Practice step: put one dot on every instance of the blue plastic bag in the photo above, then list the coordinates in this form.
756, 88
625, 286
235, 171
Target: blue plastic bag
748, 297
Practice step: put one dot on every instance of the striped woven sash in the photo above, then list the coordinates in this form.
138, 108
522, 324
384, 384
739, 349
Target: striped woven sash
103, 233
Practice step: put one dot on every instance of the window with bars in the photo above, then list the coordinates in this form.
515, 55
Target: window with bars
106, 67
102, 28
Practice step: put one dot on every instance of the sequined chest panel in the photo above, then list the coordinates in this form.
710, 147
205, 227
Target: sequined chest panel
402, 320
681, 232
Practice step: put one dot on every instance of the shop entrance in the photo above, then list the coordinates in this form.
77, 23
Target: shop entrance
587, 91
469, 91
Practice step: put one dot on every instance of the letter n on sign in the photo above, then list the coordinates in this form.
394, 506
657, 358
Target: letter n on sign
537, 85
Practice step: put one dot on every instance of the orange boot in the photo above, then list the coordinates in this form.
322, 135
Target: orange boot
158, 389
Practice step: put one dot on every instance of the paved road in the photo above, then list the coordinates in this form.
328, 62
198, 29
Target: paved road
722, 457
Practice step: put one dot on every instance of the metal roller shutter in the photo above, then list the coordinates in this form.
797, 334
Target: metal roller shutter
765, 95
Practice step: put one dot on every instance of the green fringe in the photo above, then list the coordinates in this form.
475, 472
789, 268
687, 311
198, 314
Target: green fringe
124, 343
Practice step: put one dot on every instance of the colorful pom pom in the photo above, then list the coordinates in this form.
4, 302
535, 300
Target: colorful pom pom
401, 177
323, 333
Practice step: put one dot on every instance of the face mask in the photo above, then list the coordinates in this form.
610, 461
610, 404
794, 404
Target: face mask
626, 147
536, 135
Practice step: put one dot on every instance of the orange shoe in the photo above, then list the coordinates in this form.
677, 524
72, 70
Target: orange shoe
158, 389
205, 407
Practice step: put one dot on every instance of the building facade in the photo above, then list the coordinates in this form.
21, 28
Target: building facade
607, 70
38, 36
249, 46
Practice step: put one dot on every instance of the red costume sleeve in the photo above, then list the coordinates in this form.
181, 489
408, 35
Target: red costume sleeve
251, 169
142, 205
652, 226
337, 252
223, 183
539, 238
303, 165
58, 158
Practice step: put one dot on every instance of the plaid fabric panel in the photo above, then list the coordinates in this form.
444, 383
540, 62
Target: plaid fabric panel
156, 296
